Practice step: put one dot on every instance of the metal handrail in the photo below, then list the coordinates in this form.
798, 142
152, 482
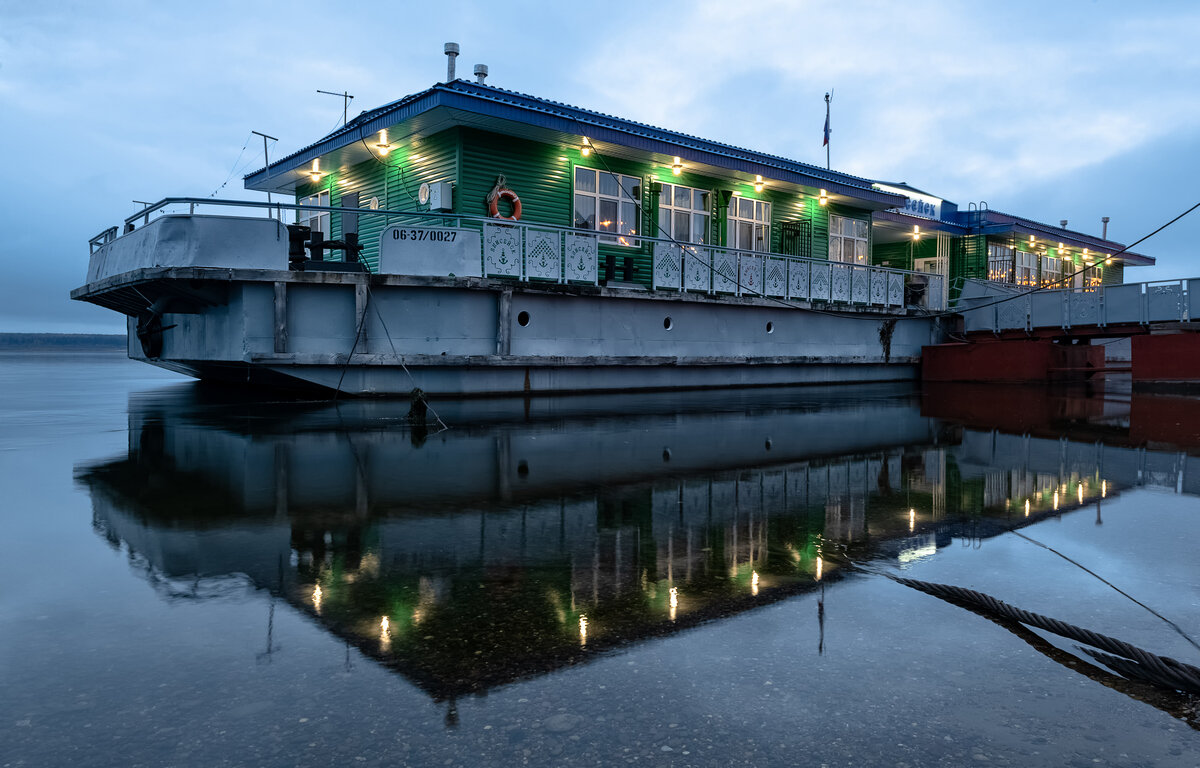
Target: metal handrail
277, 206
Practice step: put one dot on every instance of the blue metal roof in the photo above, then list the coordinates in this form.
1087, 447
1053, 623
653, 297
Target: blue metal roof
552, 115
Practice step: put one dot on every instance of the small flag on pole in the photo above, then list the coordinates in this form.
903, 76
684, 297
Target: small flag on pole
826, 142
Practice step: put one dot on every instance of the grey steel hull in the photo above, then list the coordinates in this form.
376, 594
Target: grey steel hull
363, 334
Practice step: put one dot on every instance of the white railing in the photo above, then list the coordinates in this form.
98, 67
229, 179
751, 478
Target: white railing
1162, 301
712, 269
530, 251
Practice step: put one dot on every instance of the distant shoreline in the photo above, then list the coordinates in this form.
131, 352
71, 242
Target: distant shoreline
62, 342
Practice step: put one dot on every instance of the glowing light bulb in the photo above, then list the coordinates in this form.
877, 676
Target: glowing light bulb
586, 149
824, 198
758, 183
916, 232
677, 168
382, 146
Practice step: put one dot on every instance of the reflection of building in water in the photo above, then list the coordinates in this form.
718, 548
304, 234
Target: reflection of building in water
512, 547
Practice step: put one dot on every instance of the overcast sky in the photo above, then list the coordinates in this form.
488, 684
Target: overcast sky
1046, 110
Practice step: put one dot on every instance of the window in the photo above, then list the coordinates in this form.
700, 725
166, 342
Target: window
608, 202
1026, 268
1094, 276
749, 224
1000, 263
318, 221
683, 214
848, 240
1052, 272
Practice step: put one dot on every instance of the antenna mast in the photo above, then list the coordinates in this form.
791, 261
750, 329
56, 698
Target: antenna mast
345, 101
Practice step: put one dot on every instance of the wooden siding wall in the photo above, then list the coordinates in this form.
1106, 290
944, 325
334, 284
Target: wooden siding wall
903, 254
542, 175
393, 179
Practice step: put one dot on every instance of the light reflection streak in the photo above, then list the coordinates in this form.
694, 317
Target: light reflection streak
385, 635
820, 563
1026, 507
316, 598
674, 601
912, 520
583, 625
754, 582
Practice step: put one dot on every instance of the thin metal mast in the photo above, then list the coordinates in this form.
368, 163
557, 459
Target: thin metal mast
345, 101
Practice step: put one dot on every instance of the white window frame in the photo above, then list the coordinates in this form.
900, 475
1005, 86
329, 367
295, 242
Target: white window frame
759, 223
695, 215
1026, 270
1052, 272
849, 233
1000, 263
318, 221
628, 192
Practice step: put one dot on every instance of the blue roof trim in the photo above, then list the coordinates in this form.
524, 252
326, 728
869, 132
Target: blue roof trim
530, 110
998, 223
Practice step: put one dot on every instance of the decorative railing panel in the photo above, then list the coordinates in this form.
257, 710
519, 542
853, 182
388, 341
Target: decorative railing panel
840, 282
502, 250
1013, 314
798, 279
668, 266
822, 277
725, 272
543, 255
878, 287
750, 273
1164, 302
1084, 308
583, 258
698, 270
775, 282
860, 285
895, 289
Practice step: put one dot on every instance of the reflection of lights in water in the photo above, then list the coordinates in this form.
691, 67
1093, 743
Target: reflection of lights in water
1056, 500
820, 563
1103, 488
317, 598
1026, 507
583, 622
385, 636
418, 615
1080, 494
912, 519
923, 550
674, 601
754, 582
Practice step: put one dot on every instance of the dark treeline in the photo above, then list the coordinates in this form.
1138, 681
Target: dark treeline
62, 341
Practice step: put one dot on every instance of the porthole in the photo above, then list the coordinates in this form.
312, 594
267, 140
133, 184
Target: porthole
668, 323
768, 444
522, 318
770, 327
523, 468
666, 454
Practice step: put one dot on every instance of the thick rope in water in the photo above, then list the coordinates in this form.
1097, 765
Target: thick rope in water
1126, 659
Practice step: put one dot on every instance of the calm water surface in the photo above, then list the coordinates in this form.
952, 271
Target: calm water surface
197, 579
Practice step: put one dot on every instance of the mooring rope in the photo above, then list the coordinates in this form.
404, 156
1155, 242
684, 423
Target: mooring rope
1125, 658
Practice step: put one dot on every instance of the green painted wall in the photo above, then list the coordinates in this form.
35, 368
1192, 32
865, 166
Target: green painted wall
394, 179
901, 255
542, 175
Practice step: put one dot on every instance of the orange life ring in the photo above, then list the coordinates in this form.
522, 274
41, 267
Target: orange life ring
511, 197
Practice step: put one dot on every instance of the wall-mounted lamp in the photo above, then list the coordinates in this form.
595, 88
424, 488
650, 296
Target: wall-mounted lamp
916, 233
315, 171
758, 183
382, 145
677, 167
824, 198
586, 148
